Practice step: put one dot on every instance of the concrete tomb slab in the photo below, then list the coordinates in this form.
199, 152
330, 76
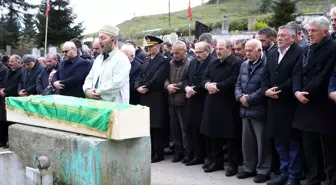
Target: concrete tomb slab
84, 160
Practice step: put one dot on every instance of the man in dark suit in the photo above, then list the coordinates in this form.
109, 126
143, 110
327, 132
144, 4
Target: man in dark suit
207, 37
277, 86
267, 37
71, 73
196, 94
129, 51
9, 87
32, 68
42, 80
315, 114
221, 111
149, 84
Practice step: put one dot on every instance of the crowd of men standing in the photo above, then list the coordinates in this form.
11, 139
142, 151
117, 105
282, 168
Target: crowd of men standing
269, 100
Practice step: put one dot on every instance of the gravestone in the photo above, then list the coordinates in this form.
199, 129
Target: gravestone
251, 21
12, 169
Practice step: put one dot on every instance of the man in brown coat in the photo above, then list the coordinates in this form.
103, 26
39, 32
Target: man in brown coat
176, 100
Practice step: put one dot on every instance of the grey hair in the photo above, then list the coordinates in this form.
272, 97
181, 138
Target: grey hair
17, 58
129, 48
206, 37
181, 44
290, 29
332, 11
322, 21
85, 48
256, 43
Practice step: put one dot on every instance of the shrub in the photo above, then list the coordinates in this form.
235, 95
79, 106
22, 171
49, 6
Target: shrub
258, 25
239, 24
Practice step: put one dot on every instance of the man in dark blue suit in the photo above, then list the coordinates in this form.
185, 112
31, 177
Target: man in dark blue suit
71, 73
32, 68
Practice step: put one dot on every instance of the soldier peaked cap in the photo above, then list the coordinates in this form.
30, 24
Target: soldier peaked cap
152, 40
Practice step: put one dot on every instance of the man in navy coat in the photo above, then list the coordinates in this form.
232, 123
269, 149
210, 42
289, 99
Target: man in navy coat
71, 73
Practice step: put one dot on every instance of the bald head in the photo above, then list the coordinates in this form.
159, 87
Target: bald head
69, 50
253, 49
96, 48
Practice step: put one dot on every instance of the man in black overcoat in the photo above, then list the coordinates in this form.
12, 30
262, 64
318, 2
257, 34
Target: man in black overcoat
221, 111
150, 85
315, 114
277, 86
9, 87
196, 94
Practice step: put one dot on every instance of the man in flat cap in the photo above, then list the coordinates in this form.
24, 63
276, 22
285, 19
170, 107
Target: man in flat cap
32, 68
108, 79
150, 85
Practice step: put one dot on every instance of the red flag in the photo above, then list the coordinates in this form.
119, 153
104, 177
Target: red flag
189, 11
48, 8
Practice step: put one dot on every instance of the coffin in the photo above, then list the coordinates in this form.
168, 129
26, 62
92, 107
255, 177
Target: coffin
84, 116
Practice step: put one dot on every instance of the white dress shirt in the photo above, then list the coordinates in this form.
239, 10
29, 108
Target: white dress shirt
281, 55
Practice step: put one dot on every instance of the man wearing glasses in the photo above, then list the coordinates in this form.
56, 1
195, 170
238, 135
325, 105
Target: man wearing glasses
71, 73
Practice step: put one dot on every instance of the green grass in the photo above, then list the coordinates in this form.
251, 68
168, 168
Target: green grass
206, 13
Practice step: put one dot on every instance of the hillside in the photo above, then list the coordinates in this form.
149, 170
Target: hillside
237, 11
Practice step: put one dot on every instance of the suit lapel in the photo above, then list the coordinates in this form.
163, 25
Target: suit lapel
26, 76
152, 63
203, 64
288, 56
145, 64
313, 62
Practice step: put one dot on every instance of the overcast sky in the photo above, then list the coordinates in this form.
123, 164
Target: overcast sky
95, 13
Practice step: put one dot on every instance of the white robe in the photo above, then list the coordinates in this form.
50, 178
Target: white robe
113, 73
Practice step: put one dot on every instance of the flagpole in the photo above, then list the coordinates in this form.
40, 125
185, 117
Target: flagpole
46, 36
189, 33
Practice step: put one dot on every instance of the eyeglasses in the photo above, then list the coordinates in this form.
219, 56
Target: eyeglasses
65, 51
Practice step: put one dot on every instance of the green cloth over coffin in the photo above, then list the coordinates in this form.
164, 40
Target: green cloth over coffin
92, 114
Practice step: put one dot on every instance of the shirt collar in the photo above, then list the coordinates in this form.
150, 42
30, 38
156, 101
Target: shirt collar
261, 56
270, 47
285, 51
